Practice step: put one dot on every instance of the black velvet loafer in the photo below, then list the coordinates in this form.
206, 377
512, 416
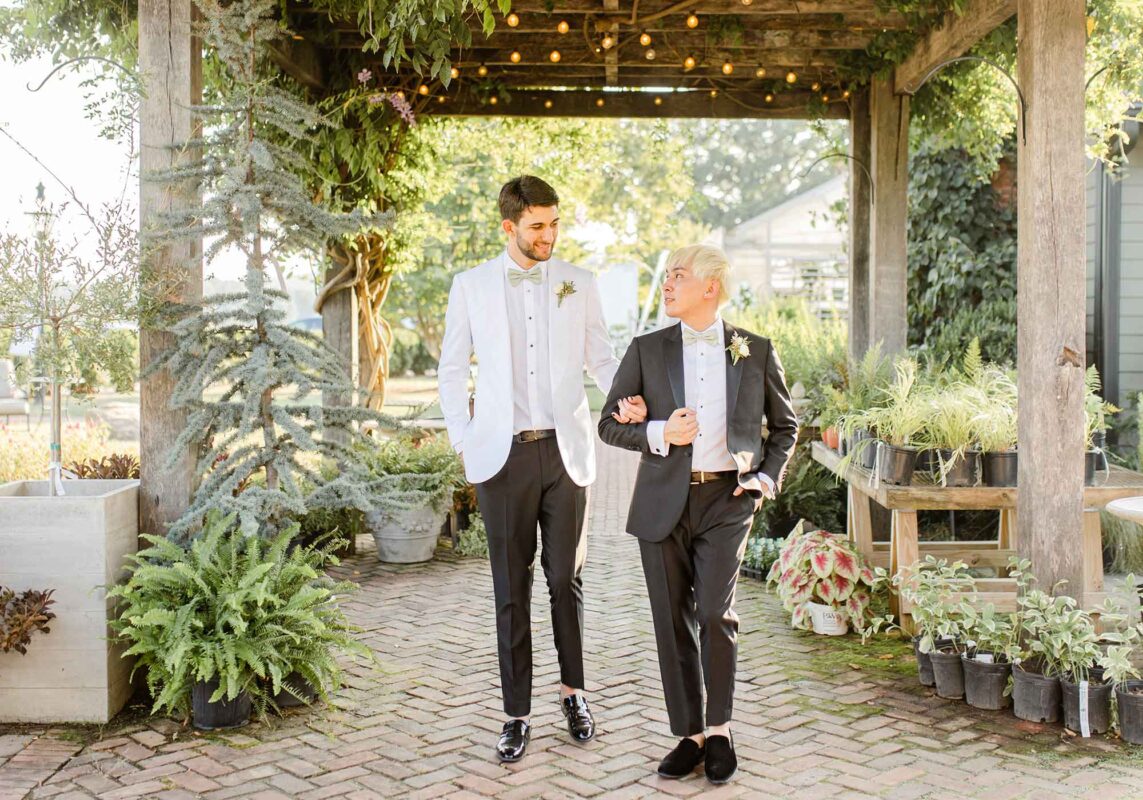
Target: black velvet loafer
682, 761
721, 762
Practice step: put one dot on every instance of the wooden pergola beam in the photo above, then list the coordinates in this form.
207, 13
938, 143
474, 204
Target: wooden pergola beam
595, 80
689, 105
954, 38
700, 7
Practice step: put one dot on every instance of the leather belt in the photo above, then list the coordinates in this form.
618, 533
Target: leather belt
707, 477
523, 437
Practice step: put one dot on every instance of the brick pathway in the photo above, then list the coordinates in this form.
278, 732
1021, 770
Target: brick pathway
816, 718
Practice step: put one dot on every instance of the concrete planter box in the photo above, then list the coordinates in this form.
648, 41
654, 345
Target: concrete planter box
75, 545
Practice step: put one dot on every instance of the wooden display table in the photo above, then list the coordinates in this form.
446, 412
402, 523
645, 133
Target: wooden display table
903, 548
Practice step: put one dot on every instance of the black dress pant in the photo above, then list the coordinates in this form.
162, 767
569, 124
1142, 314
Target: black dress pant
691, 580
534, 488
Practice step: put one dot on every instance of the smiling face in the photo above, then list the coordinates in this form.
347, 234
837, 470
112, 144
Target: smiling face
689, 297
533, 237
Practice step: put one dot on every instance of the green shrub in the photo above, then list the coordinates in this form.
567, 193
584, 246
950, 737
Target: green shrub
473, 540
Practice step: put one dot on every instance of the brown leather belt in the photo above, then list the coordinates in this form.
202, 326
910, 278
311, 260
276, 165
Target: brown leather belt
707, 477
523, 437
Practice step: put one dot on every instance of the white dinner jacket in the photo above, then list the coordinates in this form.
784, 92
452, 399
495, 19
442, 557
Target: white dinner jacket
477, 321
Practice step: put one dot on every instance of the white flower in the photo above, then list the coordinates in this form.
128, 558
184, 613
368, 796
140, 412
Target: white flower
739, 347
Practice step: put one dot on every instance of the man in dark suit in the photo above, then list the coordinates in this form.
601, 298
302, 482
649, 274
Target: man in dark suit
706, 469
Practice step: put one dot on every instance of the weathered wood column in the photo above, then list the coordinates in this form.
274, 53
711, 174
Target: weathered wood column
859, 214
341, 330
889, 147
171, 64
1050, 290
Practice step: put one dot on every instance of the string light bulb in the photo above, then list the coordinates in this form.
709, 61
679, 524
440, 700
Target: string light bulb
454, 72
791, 77
513, 20
563, 27
423, 89
760, 72
548, 104
441, 98
645, 39
482, 71
649, 54
493, 100
769, 98
658, 101
727, 68
825, 98
692, 21
815, 86
714, 93
845, 94
554, 56
689, 63
515, 57
608, 41
747, 2
599, 102
401, 93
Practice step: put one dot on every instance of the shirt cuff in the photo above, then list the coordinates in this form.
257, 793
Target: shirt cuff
768, 488
655, 438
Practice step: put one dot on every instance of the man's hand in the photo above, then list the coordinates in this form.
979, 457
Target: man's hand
631, 410
681, 428
757, 503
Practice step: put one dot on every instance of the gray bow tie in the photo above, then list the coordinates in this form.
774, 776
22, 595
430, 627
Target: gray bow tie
710, 336
515, 276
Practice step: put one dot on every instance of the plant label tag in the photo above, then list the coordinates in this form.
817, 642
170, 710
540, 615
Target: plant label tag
984, 658
1085, 726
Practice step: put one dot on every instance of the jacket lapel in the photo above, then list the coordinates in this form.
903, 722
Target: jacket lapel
733, 375
673, 353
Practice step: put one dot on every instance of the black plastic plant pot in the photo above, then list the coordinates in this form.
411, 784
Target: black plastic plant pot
964, 471
1098, 706
895, 465
1130, 701
223, 714
984, 682
999, 469
1035, 697
948, 674
927, 463
924, 663
304, 693
1094, 462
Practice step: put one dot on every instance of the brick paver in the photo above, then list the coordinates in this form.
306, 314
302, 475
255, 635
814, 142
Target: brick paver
815, 718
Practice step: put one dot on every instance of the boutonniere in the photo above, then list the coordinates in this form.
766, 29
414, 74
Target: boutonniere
565, 289
739, 347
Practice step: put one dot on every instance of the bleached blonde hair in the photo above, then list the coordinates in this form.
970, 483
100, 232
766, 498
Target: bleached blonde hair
706, 262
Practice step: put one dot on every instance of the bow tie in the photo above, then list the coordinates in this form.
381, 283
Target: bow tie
515, 276
710, 336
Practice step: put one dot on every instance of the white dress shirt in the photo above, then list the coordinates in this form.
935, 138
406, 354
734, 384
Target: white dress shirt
532, 407
704, 371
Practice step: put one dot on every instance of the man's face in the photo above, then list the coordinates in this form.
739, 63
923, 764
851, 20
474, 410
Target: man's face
683, 292
536, 232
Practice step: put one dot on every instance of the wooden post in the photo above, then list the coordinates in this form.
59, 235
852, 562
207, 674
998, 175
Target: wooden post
1050, 291
170, 60
889, 146
859, 214
341, 330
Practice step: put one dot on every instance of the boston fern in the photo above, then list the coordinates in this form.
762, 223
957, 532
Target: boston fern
245, 611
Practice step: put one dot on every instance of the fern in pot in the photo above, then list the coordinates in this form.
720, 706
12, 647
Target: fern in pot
417, 478
950, 431
897, 421
996, 431
221, 624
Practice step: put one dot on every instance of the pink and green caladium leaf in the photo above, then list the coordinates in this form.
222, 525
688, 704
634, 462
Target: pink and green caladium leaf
857, 605
845, 564
802, 592
827, 592
823, 561
775, 572
841, 586
868, 577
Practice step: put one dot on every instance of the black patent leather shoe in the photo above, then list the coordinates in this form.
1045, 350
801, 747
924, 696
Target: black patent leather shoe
682, 761
513, 740
581, 726
721, 762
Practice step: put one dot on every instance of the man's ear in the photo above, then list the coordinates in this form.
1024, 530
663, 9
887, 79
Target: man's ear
712, 288
507, 226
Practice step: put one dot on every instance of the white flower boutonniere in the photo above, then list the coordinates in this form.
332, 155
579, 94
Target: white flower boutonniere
565, 289
739, 347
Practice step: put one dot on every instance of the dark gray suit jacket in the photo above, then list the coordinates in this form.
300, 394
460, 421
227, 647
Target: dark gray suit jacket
755, 393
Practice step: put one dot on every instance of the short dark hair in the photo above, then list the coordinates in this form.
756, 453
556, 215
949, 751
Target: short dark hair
524, 192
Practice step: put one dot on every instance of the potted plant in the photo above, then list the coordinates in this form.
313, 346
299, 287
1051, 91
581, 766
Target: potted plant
221, 624
987, 660
1041, 628
1096, 412
1120, 672
949, 432
417, 477
895, 422
22, 615
823, 582
932, 587
1086, 693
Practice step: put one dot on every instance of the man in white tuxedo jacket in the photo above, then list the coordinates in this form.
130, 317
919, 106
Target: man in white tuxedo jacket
534, 323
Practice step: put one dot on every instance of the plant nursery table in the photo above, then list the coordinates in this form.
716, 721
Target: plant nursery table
903, 547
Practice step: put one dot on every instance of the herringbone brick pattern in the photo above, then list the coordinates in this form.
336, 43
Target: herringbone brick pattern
815, 718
